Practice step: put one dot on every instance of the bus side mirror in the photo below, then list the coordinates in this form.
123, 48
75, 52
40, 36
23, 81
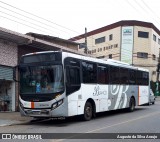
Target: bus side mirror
14, 73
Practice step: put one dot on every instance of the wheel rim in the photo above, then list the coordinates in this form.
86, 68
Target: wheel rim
88, 112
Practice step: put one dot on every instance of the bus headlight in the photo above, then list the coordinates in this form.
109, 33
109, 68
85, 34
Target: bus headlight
60, 102
57, 104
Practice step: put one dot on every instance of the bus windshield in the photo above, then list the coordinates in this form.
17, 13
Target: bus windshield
41, 79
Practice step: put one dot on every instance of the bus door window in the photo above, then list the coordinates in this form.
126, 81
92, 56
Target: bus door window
73, 75
73, 79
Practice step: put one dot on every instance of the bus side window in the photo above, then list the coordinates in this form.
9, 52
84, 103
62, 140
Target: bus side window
132, 77
145, 78
114, 75
123, 76
102, 75
73, 79
89, 72
139, 78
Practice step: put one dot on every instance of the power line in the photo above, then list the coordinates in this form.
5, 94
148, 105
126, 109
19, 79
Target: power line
25, 21
150, 9
147, 11
39, 17
31, 18
34, 19
22, 23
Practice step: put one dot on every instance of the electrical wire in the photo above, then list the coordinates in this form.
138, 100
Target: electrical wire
27, 22
22, 23
32, 19
39, 17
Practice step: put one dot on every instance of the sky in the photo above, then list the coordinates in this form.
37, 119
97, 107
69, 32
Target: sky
68, 18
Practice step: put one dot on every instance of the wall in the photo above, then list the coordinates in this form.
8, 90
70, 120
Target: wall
8, 53
107, 47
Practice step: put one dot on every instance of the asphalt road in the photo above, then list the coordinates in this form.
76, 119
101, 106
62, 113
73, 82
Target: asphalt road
145, 119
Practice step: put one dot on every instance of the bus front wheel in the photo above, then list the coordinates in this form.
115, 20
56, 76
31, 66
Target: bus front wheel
88, 111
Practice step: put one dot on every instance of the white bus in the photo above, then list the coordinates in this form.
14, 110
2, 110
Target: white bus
61, 84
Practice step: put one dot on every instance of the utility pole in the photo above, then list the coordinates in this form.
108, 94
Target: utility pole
157, 93
85, 50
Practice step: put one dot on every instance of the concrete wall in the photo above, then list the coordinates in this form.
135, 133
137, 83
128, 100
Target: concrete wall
8, 53
107, 47
8, 57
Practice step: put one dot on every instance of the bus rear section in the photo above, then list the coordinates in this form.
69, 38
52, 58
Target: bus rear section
97, 86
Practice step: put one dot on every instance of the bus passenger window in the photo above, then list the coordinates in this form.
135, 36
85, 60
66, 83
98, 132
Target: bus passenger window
89, 72
123, 76
114, 75
103, 77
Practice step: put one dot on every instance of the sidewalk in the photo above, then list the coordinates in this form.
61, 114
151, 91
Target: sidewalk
10, 118
158, 98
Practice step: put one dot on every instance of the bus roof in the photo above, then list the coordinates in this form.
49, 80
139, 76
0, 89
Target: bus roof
92, 59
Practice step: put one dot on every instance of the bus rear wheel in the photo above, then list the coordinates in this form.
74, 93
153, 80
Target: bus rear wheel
88, 111
131, 105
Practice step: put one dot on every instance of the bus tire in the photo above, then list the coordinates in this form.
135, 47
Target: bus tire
131, 105
88, 112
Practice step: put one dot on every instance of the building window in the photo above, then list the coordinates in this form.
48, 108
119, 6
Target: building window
154, 57
154, 37
82, 45
115, 45
99, 40
158, 41
110, 56
89, 52
111, 37
94, 51
142, 55
100, 57
143, 34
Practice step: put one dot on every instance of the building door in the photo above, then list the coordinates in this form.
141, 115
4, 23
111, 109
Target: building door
5, 96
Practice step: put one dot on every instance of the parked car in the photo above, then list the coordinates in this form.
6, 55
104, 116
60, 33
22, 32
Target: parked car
152, 98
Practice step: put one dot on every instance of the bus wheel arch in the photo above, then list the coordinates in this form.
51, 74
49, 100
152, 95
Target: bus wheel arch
89, 110
132, 104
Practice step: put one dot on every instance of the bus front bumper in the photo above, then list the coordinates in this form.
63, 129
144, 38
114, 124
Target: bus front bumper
60, 111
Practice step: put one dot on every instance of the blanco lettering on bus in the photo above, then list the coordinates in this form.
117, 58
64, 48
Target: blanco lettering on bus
98, 91
119, 91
